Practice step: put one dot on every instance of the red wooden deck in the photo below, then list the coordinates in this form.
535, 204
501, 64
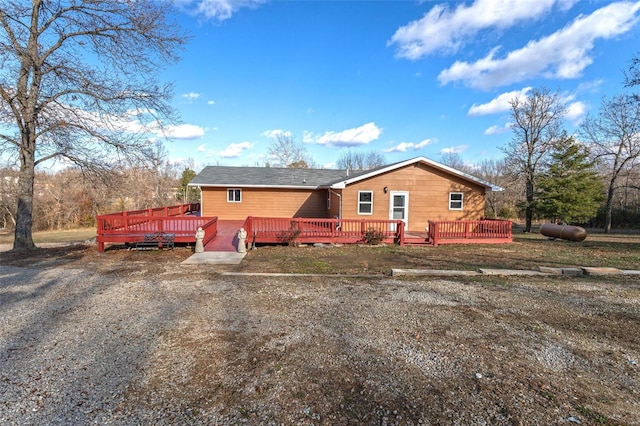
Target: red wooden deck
317, 230
307, 230
130, 227
183, 221
227, 237
470, 232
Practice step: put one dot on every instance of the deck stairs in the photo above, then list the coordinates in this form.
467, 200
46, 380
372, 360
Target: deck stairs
413, 238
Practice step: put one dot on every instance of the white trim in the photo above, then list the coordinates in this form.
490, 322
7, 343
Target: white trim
365, 202
406, 207
461, 201
234, 200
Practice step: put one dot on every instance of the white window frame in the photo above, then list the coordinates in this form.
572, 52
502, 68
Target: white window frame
360, 203
451, 201
229, 197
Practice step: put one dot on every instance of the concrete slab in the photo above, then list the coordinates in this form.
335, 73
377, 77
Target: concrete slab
549, 270
215, 258
560, 271
601, 271
510, 272
572, 271
431, 272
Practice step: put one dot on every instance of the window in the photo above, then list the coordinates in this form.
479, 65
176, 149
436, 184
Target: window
365, 202
234, 195
455, 200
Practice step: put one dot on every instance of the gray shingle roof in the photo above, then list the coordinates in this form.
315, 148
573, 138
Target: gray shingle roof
273, 177
267, 177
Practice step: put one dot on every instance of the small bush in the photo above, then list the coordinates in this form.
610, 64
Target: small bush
373, 236
290, 236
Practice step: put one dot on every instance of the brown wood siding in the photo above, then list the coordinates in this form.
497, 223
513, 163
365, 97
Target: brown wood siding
265, 202
428, 189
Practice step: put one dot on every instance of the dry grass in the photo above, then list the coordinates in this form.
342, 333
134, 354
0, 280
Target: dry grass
63, 236
528, 251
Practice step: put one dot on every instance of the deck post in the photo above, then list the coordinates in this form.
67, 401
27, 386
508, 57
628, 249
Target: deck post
436, 233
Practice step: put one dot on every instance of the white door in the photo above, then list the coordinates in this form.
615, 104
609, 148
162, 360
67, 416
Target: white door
399, 207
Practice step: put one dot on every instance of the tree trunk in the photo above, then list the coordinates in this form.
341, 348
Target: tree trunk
529, 207
609, 209
24, 217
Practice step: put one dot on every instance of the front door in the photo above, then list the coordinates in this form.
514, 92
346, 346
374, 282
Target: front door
399, 207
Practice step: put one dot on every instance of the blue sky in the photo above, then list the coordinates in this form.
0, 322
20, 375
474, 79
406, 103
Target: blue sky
403, 78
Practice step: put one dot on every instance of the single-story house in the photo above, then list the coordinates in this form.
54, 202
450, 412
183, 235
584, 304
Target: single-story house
415, 190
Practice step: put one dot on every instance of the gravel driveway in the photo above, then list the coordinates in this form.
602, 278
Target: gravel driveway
147, 344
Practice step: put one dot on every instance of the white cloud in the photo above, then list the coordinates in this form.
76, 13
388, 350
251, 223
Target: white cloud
576, 111
563, 54
202, 148
211, 102
590, 86
498, 104
234, 150
346, 138
409, 146
181, 131
454, 149
223, 9
497, 130
442, 29
272, 134
191, 96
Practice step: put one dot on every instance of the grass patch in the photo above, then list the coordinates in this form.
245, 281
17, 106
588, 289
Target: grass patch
593, 415
528, 251
62, 236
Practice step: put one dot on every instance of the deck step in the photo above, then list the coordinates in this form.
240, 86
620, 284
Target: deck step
418, 241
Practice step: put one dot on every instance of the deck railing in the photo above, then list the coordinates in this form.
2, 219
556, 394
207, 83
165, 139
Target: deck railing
178, 210
469, 231
132, 226
317, 230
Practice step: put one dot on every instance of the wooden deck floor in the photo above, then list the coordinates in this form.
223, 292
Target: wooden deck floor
226, 238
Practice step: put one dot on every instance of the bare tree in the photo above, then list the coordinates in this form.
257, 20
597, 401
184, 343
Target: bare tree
75, 77
455, 161
288, 152
614, 136
360, 160
632, 77
500, 203
537, 126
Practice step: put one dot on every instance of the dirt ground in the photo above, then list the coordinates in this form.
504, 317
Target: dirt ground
197, 347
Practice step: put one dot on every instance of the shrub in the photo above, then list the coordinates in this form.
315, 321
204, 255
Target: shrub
290, 236
373, 236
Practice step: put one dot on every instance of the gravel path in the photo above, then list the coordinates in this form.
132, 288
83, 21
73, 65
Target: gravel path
166, 345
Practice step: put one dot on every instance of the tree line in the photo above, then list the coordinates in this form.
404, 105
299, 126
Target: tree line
79, 83
69, 198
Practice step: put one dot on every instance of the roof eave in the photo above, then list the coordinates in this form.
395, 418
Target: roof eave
235, 185
342, 184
